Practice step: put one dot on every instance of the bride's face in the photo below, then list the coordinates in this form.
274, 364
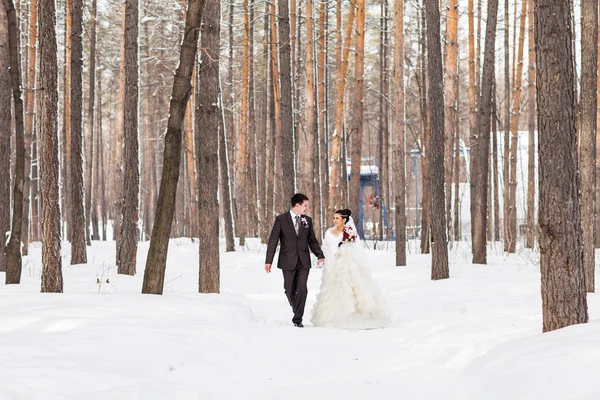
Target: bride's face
338, 221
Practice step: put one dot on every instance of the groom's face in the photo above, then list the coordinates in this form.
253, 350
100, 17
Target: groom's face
301, 208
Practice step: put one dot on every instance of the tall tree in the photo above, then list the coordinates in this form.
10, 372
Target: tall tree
587, 166
356, 133
29, 131
482, 149
208, 115
101, 168
52, 280
336, 200
13, 249
450, 99
127, 248
473, 96
154, 274
531, 126
89, 153
400, 135
225, 189
564, 299
506, 128
516, 113
66, 129
287, 116
439, 256
5, 134
78, 248
323, 186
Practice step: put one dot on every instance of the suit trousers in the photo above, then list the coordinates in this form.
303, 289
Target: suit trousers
294, 283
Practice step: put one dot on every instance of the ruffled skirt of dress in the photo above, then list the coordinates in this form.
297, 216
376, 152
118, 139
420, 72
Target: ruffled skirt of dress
348, 297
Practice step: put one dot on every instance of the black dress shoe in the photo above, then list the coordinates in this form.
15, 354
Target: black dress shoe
298, 324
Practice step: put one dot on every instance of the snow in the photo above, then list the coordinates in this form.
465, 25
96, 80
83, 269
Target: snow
476, 335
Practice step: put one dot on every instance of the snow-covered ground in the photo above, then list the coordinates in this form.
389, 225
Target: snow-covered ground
476, 335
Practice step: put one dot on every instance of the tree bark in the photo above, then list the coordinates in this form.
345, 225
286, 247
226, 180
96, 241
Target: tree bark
127, 250
336, 200
564, 299
587, 160
439, 256
66, 131
13, 250
208, 115
5, 135
154, 273
287, 117
530, 241
89, 158
29, 128
399, 135
323, 186
506, 127
78, 247
225, 189
482, 150
101, 169
450, 99
52, 280
356, 134
473, 96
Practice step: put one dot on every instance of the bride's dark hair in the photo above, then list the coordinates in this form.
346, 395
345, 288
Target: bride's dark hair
345, 214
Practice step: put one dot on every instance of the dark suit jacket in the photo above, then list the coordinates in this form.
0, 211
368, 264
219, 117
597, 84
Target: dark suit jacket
292, 247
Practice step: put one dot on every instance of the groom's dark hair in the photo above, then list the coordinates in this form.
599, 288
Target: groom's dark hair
298, 198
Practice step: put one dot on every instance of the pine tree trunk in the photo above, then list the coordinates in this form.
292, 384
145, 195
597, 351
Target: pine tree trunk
13, 249
473, 96
154, 273
278, 200
252, 189
426, 135
516, 113
482, 150
587, 157
399, 149
225, 189
439, 256
287, 117
101, 167
450, 99
263, 141
384, 173
66, 196
89, 158
506, 128
531, 143
52, 280
29, 122
311, 126
127, 251
323, 187
78, 246
564, 299
191, 191
356, 133
208, 115
496, 180
5, 135
336, 200
456, 219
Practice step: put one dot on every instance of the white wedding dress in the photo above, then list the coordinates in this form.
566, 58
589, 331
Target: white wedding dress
348, 297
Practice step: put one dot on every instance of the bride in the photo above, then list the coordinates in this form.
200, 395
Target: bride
348, 297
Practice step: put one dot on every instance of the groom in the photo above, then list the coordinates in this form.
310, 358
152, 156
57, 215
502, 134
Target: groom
295, 231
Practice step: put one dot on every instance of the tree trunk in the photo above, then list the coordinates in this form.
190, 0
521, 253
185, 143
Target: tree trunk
52, 280
456, 171
531, 143
154, 274
66, 132
278, 200
496, 180
450, 99
127, 250
101, 166
516, 113
287, 117
208, 115
29, 124
473, 96
506, 128
426, 140
399, 135
252, 198
89, 158
439, 256
13, 249
587, 159
5, 135
225, 190
78, 247
336, 200
191, 191
482, 150
322, 191
564, 299
356, 134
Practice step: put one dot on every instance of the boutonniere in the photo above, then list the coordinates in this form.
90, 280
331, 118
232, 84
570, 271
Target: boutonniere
303, 222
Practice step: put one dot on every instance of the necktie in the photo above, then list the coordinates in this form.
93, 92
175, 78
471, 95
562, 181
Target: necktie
297, 224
